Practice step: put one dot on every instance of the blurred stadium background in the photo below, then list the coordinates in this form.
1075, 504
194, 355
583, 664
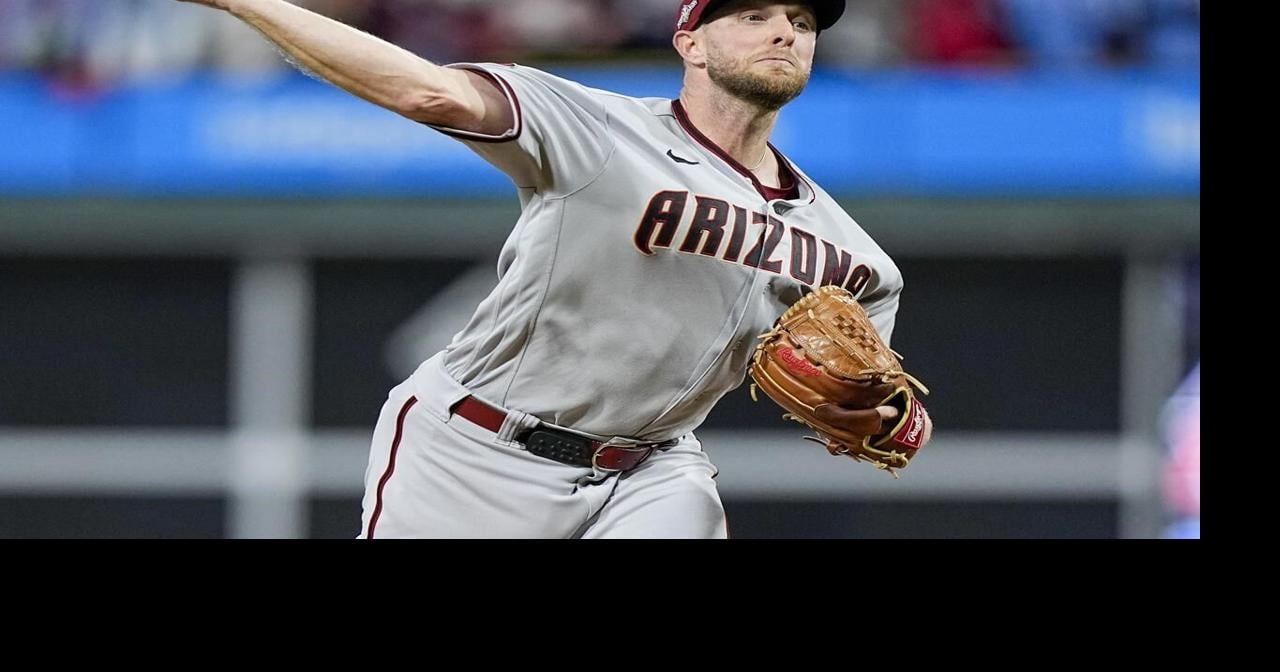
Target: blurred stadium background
212, 269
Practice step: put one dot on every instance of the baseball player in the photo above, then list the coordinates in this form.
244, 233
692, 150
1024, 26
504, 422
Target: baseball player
657, 238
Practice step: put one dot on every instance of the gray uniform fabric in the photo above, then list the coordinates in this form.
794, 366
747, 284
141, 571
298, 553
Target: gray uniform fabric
643, 266
616, 315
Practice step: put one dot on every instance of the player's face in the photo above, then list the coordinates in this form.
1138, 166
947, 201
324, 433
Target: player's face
762, 51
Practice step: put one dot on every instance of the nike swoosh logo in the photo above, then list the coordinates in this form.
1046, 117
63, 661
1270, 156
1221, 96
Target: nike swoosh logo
680, 160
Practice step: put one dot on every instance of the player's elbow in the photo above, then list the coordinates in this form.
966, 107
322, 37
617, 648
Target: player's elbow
432, 106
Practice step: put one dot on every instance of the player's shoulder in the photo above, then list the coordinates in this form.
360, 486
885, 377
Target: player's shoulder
519, 74
530, 74
570, 81
645, 112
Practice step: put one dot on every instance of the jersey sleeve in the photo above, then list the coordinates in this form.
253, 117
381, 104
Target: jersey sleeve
559, 140
882, 305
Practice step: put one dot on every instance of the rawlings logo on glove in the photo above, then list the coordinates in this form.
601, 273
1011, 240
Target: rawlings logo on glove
824, 363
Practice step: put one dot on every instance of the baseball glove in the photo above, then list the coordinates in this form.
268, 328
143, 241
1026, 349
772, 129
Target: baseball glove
824, 363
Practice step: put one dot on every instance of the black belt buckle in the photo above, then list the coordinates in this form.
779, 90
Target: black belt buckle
563, 448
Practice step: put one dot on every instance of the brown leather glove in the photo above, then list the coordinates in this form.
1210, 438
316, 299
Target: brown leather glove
824, 363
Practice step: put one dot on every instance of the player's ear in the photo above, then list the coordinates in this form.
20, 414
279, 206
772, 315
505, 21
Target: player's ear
690, 45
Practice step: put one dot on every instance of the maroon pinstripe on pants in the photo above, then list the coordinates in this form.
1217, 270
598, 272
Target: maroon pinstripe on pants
391, 464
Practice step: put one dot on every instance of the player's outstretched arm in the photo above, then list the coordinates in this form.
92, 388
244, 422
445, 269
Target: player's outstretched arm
375, 70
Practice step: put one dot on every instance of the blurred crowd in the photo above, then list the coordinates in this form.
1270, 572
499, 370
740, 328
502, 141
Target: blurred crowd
99, 42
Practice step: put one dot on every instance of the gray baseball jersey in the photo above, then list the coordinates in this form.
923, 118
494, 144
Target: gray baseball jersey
631, 291
644, 264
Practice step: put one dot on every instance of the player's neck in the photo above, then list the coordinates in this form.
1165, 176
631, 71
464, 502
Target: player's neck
739, 128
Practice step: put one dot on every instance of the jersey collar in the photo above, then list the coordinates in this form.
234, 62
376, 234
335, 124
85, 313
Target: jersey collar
683, 118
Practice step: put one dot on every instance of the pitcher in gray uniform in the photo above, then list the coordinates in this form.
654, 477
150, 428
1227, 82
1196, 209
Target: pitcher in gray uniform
657, 238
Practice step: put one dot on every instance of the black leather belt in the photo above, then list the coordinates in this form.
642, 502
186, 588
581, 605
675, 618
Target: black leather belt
561, 446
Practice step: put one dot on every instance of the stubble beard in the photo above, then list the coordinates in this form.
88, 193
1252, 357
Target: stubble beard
769, 92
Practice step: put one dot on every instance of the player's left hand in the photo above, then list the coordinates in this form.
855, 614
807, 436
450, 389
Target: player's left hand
825, 363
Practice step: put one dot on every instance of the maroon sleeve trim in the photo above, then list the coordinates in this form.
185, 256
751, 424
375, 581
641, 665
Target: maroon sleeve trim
510, 94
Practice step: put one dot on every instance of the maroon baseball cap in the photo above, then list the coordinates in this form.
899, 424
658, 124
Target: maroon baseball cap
691, 11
